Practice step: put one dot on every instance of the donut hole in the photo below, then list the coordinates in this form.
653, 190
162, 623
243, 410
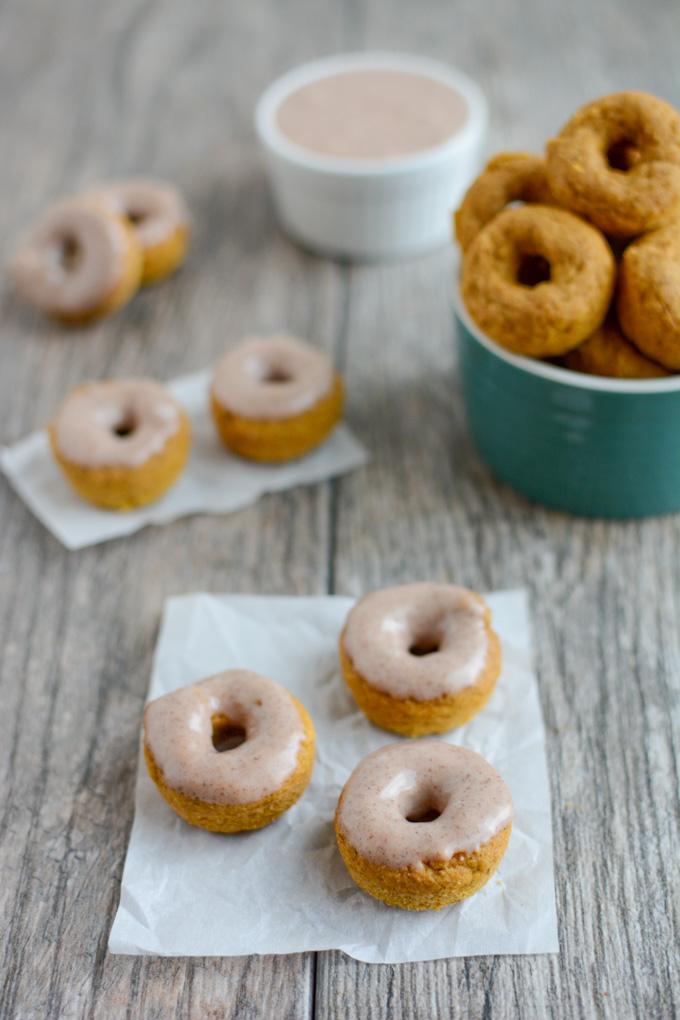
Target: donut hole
532, 269
427, 643
623, 154
226, 735
276, 375
125, 426
70, 253
135, 216
422, 806
430, 814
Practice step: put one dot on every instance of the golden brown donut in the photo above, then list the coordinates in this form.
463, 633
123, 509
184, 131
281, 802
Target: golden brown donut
420, 658
508, 177
78, 263
423, 824
156, 212
538, 280
121, 443
607, 352
648, 302
231, 752
275, 398
617, 162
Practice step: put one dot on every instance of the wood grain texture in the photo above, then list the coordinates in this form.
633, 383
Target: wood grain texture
91, 90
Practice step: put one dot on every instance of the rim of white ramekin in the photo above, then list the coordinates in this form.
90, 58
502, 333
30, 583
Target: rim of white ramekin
565, 376
274, 139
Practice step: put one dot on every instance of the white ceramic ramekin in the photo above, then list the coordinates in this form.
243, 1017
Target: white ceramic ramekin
370, 208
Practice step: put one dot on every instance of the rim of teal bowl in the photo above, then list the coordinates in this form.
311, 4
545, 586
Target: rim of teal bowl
564, 376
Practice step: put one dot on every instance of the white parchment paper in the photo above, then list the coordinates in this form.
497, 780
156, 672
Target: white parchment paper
213, 481
284, 889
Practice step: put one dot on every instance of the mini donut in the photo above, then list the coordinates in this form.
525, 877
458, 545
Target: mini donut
231, 752
275, 398
423, 824
648, 300
608, 353
508, 177
159, 217
78, 263
617, 162
121, 443
420, 658
538, 280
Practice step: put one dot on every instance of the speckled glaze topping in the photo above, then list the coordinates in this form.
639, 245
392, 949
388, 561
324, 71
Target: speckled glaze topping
155, 209
371, 114
178, 730
117, 421
72, 260
275, 377
391, 790
418, 641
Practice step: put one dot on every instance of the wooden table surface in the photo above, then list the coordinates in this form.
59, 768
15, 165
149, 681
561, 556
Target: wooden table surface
89, 90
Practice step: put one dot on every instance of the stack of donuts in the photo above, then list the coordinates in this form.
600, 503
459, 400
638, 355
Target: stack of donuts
575, 255
419, 824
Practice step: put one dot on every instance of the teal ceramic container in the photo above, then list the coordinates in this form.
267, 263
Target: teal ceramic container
591, 446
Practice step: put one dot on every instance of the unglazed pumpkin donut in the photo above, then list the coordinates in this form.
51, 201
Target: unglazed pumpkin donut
420, 658
219, 783
158, 215
648, 300
78, 263
121, 443
607, 352
275, 398
508, 177
617, 162
538, 280
423, 824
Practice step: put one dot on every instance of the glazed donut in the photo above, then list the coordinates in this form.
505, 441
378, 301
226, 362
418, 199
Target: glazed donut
275, 398
420, 658
617, 162
608, 353
78, 263
538, 280
648, 301
423, 824
508, 177
158, 215
231, 752
122, 442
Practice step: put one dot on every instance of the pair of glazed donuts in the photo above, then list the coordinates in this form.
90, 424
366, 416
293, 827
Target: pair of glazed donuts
542, 279
88, 255
419, 825
422, 824
123, 442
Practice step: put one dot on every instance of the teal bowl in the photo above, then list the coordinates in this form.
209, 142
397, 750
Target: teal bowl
589, 445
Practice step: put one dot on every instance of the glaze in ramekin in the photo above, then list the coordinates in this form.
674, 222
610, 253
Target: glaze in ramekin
360, 208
